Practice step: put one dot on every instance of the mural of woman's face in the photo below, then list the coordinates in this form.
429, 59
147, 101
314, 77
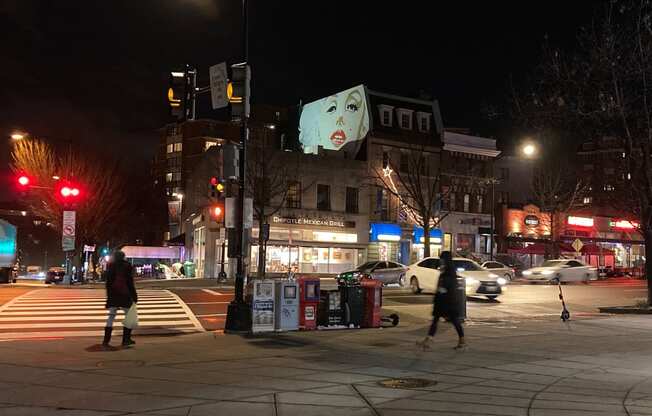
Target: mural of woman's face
341, 118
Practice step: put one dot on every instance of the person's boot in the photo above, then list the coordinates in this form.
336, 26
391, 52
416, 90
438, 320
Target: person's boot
126, 337
461, 345
426, 343
107, 337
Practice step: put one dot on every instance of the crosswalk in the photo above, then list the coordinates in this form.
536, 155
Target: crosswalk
48, 313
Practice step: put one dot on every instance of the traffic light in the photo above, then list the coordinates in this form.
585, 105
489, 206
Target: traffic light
238, 91
217, 187
68, 193
23, 181
177, 94
216, 212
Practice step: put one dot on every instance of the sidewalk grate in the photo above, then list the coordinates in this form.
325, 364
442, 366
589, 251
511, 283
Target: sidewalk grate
406, 383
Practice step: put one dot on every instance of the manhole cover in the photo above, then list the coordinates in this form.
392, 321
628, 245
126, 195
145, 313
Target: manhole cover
120, 364
407, 383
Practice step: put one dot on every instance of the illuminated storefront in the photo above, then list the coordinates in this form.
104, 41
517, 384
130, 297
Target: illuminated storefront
438, 242
309, 245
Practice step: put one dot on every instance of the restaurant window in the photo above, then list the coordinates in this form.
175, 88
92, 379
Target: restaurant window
467, 202
293, 199
323, 197
351, 200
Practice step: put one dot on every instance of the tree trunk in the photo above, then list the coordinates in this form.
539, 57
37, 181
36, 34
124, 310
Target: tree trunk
648, 262
262, 255
426, 241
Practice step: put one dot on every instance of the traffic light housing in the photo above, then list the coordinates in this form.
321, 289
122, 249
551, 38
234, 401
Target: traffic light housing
238, 91
217, 187
23, 181
68, 193
178, 94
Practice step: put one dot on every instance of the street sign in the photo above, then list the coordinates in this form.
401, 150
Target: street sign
89, 249
218, 79
577, 245
68, 231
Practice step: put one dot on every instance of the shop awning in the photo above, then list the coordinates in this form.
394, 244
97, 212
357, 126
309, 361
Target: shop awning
596, 250
435, 235
384, 231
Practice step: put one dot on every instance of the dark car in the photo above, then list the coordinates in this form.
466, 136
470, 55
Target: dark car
55, 275
384, 271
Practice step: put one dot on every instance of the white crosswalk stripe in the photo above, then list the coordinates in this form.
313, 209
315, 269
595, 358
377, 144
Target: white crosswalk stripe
47, 313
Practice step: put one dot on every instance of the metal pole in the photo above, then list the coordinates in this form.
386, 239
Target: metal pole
493, 214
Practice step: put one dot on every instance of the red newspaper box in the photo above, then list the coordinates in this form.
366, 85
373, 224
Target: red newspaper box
373, 300
308, 302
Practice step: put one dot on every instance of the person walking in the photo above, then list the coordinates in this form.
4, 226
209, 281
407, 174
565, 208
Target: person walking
446, 303
120, 294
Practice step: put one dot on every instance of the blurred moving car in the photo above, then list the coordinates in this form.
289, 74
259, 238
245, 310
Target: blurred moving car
500, 269
55, 275
424, 276
566, 270
384, 271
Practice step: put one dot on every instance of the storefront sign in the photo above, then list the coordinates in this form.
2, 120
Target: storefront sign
531, 220
380, 231
624, 224
580, 221
313, 221
435, 235
334, 237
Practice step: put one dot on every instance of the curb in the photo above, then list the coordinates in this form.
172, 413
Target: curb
626, 310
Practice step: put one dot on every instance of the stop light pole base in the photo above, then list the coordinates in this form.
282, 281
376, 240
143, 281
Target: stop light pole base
238, 318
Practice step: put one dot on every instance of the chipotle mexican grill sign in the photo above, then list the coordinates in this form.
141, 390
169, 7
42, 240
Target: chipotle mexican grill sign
313, 221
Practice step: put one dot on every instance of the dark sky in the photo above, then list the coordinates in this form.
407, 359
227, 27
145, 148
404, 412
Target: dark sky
96, 71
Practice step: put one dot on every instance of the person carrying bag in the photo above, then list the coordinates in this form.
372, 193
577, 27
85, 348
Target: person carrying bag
120, 294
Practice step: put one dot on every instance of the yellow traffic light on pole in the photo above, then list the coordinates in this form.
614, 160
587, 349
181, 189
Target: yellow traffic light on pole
238, 91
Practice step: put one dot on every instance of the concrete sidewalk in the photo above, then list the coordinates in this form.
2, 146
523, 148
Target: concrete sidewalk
597, 366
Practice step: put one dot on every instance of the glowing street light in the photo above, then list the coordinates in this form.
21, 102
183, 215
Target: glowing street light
17, 136
529, 149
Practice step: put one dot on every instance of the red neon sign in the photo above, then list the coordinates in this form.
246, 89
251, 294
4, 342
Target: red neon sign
580, 221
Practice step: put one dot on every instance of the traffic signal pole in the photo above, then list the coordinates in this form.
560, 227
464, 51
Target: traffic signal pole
238, 318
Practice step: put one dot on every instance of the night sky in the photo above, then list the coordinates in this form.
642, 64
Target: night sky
96, 71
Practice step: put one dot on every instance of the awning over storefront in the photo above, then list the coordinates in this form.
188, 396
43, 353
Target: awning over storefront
382, 231
540, 248
436, 236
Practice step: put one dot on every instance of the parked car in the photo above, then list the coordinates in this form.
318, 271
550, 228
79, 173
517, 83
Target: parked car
384, 271
55, 275
566, 270
424, 276
500, 269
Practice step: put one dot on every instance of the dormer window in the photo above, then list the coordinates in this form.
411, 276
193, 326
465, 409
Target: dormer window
385, 112
405, 118
423, 120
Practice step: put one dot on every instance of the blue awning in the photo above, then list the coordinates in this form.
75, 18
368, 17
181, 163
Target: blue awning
381, 231
435, 235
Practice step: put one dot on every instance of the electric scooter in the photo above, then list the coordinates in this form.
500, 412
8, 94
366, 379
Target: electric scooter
565, 315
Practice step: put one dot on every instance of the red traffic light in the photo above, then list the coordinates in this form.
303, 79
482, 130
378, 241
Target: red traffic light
69, 191
23, 180
217, 212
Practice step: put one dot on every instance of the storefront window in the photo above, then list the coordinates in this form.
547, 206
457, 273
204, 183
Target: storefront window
280, 259
466, 242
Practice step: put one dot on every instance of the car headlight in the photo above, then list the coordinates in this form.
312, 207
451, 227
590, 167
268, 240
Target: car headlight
526, 273
548, 272
493, 275
501, 281
470, 280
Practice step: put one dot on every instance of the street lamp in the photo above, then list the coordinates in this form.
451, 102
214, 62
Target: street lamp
529, 149
17, 136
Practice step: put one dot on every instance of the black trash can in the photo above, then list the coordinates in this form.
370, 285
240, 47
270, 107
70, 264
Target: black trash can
330, 308
352, 304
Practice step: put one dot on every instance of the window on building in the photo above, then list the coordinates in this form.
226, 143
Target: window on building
467, 202
405, 161
587, 199
588, 167
172, 130
170, 148
424, 122
178, 147
609, 188
451, 203
382, 204
293, 199
323, 197
609, 171
387, 118
503, 197
504, 174
479, 201
385, 159
351, 200
168, 177
208, 144
405, 121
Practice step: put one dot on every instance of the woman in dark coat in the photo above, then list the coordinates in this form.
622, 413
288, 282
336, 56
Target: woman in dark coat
446, 303
120, 294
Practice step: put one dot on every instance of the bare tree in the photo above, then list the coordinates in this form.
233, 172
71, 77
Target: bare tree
418, 187
270, 174
99, 208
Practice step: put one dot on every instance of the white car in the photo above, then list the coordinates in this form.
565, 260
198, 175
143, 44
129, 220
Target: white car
566, 270
424, 276
500, 269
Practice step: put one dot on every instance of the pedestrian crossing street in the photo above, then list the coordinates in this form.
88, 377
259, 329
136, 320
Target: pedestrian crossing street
47, 313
